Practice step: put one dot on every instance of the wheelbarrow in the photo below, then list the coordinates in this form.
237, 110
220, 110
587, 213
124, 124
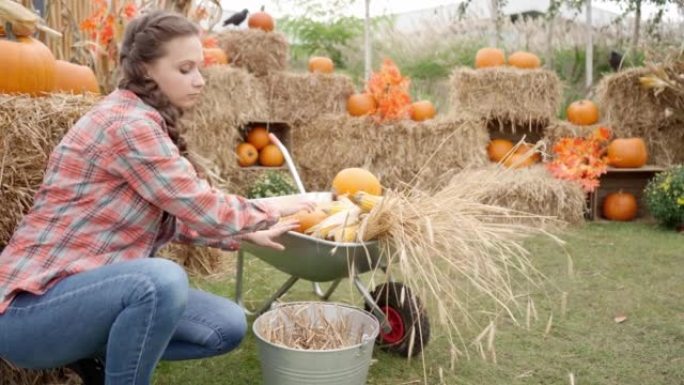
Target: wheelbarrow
404, 323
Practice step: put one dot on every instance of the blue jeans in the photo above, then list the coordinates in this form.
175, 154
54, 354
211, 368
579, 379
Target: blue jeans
132, 313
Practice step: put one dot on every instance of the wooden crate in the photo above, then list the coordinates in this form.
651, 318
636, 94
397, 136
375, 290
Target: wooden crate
629, 180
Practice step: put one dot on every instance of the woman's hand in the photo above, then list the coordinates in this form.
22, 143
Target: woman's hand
286, 210
267, 237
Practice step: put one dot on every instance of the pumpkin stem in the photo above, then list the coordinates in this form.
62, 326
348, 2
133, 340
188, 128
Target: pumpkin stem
9, 33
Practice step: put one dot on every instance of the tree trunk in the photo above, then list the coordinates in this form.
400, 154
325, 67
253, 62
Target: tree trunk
367, 44
589, 64
637, 26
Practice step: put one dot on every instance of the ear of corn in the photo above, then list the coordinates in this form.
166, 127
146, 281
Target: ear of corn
366, 201
329, 225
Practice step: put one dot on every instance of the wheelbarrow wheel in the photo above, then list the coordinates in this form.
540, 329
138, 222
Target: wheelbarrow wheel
408, 319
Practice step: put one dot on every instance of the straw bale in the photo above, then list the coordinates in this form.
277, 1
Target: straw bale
395, 152
256, 51
198, 261
504, 94
301, 97
632, 110
14, 376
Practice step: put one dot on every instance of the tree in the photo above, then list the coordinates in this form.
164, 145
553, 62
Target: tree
636, 6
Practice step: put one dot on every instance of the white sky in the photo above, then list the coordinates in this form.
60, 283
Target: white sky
380, 7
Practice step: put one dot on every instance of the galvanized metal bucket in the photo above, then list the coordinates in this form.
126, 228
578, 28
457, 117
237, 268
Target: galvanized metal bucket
282, 365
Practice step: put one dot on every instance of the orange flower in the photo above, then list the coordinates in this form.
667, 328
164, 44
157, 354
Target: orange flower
390, 91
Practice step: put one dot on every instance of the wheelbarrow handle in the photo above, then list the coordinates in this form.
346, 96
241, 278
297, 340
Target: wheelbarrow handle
288, 160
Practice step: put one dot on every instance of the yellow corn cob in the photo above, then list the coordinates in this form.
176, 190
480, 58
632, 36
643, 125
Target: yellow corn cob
341, 219
366, 201
346, 234
339, 205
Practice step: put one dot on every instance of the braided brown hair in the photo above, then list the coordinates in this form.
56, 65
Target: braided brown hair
143, 42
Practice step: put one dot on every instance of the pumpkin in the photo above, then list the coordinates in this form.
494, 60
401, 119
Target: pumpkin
258, 137
247, 154
489, 57
261, 20
321, 64
214, 56
270, 156
309, 219
620, 206
518, 160
524, 148
422, 110
627, 153
27, 65
74, 78
351, 180
498, 148
361, 104
524, 60
583, 112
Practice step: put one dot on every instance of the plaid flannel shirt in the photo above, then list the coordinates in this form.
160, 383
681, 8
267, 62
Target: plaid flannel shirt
106, 188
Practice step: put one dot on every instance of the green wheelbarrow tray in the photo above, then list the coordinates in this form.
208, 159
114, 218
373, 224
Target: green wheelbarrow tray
313, 259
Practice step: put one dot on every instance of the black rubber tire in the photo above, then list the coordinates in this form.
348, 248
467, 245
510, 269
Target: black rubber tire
413, 316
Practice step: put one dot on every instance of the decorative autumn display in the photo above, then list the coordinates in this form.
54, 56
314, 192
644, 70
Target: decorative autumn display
74, 78
583, 113
28, 66
627, 153
258, 137
270, 156
664, 197
361, 104
581, 159
489, 57
351, 180
498, 148
261, 20
422, 110
247, 154
321, 64
524, 60
390, 91
620, 206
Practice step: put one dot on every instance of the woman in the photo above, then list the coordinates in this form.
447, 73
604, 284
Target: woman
75, 279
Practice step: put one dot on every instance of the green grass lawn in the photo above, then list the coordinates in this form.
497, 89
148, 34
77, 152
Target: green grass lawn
606, 270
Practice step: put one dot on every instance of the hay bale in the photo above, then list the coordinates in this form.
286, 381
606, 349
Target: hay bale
205, 262
632, 110
534, 190
395, 152
29, 129
506, 95
256, 51
13, 376
232, 97
301, 97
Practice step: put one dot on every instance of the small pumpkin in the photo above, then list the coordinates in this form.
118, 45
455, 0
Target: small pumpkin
309, 219
361, 104
270, 156
498, 148
261, 20
247, 154
214, 56
74, 78
583, 112
627, 153
518, 160
489, 57
28, 67
351, 180
258, 137
321, 64
524, 148
620, 206
422, 110
524, 60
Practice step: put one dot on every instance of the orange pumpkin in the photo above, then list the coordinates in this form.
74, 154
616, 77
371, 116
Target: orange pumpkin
27, 66
270, 156
518, 160
261, 20
498, 148
524, 60
422, 110
620, 206
258, 137
361, 104
489, 57
627, 153
309, 219
247, 154
74, 79
214, 56
321, 64
583, 112
351, 180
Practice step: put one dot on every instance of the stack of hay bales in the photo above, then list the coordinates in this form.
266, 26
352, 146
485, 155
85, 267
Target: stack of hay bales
633, 110
514, 103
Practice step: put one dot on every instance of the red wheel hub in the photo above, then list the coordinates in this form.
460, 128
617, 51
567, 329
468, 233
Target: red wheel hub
396, 322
